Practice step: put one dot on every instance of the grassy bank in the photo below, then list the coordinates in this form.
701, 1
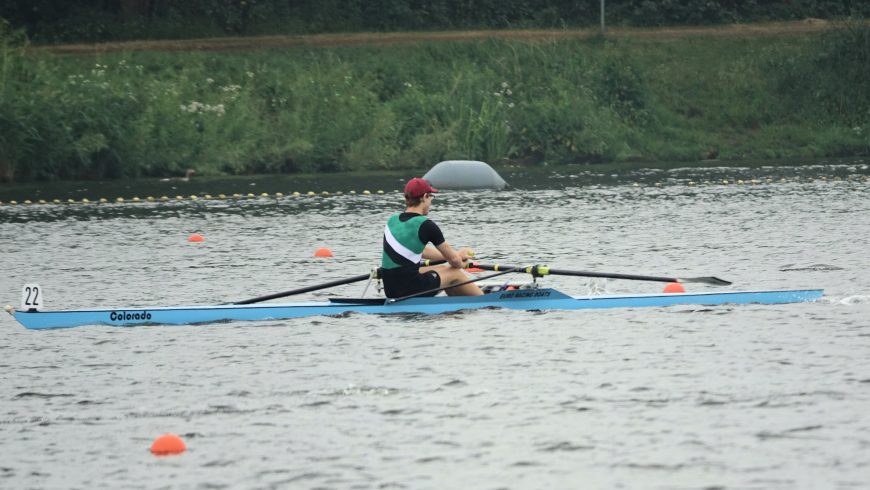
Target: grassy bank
386, 107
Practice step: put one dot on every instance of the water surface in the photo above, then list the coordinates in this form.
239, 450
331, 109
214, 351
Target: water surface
767, 397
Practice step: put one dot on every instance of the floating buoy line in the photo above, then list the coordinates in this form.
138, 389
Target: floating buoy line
193, 197
310, 194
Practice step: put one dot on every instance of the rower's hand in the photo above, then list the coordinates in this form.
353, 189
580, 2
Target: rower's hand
466, 254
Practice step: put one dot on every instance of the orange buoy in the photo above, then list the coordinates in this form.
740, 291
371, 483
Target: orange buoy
474, 269
323, 252
674, 287
167, 444
196, 237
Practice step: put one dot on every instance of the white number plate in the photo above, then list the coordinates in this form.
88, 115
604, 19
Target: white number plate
31, 297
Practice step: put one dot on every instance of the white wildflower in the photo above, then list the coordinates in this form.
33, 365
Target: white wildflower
200, 108
193, 107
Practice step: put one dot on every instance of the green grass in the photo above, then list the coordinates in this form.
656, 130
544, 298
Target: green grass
390, 107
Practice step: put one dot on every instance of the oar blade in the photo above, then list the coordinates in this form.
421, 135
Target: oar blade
715, 281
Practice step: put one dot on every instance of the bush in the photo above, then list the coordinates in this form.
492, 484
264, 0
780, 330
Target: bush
101, 20
833, 76
159, 114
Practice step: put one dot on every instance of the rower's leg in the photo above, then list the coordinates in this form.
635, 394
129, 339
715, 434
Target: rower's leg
450, 276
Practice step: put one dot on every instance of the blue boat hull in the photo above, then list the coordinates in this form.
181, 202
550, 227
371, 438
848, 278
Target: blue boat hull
525, 299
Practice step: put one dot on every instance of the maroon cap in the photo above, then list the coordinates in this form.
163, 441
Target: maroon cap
416, 187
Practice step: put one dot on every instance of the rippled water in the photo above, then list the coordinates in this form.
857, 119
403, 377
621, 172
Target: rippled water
767, 397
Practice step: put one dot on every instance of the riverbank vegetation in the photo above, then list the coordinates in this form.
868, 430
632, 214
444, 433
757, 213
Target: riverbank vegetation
135, 114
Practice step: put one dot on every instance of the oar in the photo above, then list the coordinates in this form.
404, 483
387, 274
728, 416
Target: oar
474, 279
542, 270
339, 282
326, 285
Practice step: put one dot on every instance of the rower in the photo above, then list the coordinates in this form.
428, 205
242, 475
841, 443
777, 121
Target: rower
406, 239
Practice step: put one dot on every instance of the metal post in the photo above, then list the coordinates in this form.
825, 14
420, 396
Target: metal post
602, 17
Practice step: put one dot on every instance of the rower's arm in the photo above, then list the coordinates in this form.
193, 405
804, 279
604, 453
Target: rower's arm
450, 255
432, 253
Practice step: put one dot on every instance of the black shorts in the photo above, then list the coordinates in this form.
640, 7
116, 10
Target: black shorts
398, 282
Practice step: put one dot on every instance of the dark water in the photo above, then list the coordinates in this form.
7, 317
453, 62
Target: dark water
686, 397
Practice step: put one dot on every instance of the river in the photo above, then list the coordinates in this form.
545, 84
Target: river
766, 397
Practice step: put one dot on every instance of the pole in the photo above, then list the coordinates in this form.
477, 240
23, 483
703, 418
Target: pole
602, 17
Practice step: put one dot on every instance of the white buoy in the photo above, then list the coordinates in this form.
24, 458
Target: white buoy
464, 174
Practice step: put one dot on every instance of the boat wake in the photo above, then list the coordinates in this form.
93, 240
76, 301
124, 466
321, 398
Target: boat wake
854, 300
812, 267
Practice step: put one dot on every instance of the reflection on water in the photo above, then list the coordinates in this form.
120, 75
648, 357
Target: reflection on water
685, 397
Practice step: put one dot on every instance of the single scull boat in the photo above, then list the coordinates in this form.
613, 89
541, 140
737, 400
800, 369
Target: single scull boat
521, 299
